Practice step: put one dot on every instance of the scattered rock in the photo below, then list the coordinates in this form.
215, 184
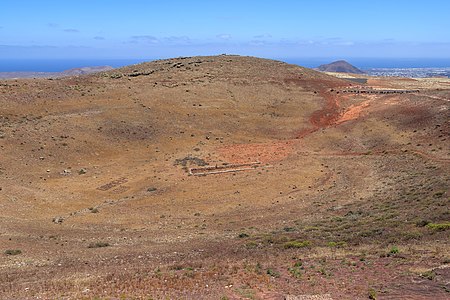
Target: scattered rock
94, 210
66, 172
58, 220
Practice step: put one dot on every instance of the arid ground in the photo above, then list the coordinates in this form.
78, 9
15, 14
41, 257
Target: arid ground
224, 177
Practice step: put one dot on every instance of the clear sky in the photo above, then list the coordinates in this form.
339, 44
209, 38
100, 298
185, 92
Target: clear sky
275, 29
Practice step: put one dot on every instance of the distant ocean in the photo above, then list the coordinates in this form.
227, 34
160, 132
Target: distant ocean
58, 65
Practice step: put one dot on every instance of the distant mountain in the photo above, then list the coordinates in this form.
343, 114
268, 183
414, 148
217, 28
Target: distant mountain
340, 66
85, 70
71, 72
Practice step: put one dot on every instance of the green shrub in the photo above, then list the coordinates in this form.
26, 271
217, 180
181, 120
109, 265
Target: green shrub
289, 229
372, 294
439, 226
295, 271
251, 245
13, 252
430, 275
98, 245
296, 244
273, 273
337, 244
394, 250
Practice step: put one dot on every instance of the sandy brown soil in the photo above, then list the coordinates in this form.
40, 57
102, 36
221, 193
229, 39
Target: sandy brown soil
350, 199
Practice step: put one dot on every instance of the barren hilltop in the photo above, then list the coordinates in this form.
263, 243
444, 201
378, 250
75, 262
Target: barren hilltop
340, 66
224, 177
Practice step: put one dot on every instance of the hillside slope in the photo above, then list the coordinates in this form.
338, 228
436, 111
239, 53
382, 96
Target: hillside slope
222, 176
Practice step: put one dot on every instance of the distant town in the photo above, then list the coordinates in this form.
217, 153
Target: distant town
409, 72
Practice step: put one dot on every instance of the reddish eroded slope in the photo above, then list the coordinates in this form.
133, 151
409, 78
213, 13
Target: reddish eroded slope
332, 113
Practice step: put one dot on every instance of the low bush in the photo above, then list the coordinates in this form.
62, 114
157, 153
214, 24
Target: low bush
438, 226
13, 252
296, 244
394, 250
273, 273
98, 245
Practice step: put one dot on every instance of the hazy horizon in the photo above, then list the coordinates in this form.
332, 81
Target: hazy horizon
58, 65
289, 29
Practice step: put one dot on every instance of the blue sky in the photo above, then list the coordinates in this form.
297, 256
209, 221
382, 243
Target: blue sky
275, 29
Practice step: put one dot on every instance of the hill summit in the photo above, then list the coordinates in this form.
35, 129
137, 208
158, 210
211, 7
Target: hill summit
340, 66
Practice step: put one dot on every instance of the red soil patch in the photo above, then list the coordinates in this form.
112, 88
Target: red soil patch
328, 114
353, 112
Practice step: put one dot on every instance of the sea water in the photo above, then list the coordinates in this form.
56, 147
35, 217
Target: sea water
59, 65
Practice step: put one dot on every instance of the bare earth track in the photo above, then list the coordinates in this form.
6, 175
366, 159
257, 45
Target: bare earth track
223, 177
